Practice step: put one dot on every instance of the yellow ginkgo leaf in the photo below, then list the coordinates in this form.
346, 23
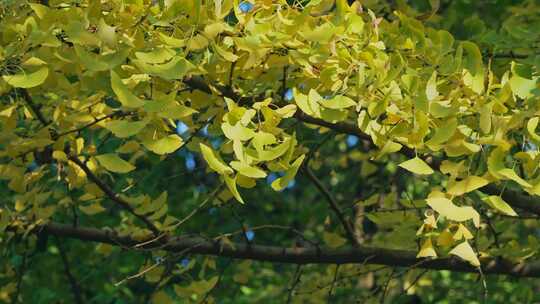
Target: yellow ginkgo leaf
27, 80
445, 238
498, 203
93, 209
126, 98
461, 233
417, 166
511, 174
465, 252
231, 185
164, 145
247, 170
446, 208
237, 132
124, 128
282, 182
214, 161
469, 184
427, 250
338, 102
485, 117
333, 240
431, 88
229, 56
112, 162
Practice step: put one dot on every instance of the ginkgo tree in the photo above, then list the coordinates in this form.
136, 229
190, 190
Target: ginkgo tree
278, 151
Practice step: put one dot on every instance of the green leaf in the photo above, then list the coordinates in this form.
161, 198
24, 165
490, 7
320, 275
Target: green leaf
443, 133
338, 102
417, 166
90, 61
126, 98
521, 86
307, 104
176, 68
229, 56
474, 67
114, 163
531, 128
124, 128
485, 117
27, 80
214, 161
164, 145
159, 55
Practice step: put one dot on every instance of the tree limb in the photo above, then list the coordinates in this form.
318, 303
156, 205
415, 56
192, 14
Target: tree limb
298, 255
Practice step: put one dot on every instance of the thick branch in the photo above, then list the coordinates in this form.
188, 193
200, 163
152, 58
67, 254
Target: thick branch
297, 255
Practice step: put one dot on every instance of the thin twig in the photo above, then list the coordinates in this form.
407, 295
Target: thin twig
20, 275
386, 284
411, 285
75, 287
111, 194
333, 205
30, 102
333, 284
95, 121
296, 281
220, 276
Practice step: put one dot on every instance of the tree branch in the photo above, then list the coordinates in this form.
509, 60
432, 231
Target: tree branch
297, 255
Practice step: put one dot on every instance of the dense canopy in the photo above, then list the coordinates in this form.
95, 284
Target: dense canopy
226, 151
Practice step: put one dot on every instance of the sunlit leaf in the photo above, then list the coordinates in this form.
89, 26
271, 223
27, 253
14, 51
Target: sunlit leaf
427, 250
214, 161
417, 166
500, 205
282, 182
114, 163
469, 184
164, 145
125, 96
465, 252
446, 208
27, 80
